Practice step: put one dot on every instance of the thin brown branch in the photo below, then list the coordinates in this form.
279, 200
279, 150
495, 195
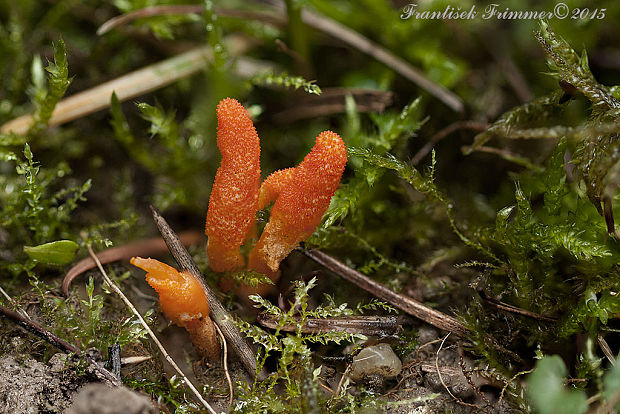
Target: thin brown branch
123, 19
363, 44
219, 314
404, 303
365, 325
188, 9
332, 101
146, 247
133, 309
59, 343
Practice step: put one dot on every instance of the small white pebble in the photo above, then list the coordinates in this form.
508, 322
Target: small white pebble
375, 360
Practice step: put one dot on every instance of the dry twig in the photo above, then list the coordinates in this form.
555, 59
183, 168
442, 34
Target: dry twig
513, 309
366, 325
186, 9
333, 101
411, 306
118, 291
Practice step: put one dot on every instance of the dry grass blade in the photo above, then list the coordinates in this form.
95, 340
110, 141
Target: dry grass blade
137, 83
225, 363
118, 291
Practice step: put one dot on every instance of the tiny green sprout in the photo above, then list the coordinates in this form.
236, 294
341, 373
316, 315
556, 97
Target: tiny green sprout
58, 252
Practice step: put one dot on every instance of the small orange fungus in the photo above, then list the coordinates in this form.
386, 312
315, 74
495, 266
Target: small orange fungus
183, 302
234, 197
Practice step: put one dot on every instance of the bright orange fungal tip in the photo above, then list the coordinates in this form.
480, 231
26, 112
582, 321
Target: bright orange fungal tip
181, 296
234, 197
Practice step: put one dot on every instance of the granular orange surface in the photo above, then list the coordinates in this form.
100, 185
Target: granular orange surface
234, 197
302, 202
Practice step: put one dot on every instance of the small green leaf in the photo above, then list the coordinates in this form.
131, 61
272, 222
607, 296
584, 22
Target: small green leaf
547, 392
57, 252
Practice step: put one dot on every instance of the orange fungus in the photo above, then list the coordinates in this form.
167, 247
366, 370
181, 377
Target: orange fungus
234, 197
183, 301
301, 201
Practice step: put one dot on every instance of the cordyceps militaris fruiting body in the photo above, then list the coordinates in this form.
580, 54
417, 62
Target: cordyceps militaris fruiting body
303, 197
301, 194
183, 302
234, 197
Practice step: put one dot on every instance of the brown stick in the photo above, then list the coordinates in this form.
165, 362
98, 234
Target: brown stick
186, 9
44, 333
404, 303
148, 247
365, 325
219, 314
